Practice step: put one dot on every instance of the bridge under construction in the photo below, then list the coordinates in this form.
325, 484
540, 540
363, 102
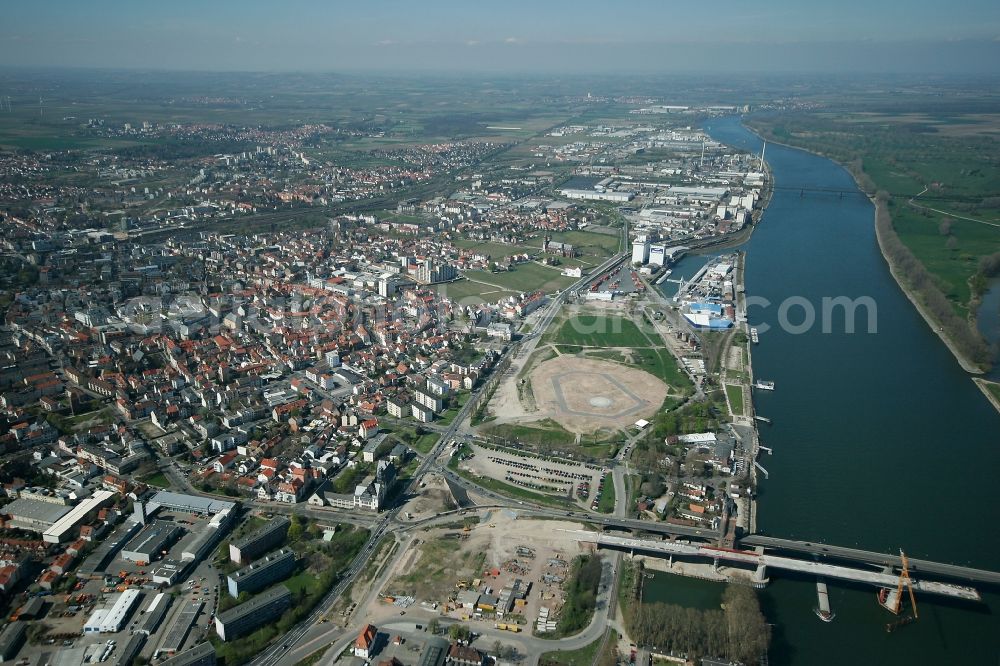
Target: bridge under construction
760, 562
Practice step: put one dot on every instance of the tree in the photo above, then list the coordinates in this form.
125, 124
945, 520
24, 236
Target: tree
459, 632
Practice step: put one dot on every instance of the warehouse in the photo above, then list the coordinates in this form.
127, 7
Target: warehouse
93, 623
246, 617
155, 613
33, 515
202, 654
67, 526
11, 640
131, 650
151, 543
271, 568
116, 618
188, 503
257, 543
179, 628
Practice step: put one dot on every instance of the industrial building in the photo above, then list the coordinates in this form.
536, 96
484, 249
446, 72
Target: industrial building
246, 617
202, 654
259, 542
598, 195
271, 568
34, 515
179, 628
640, 251
67, 526
11, 639
130, 650
188, 503
106, 550
154, 613
151, 542
119, 613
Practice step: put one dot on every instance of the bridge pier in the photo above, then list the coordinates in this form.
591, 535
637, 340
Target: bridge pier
760, 579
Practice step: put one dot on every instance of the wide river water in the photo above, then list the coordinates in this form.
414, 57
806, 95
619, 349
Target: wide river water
881, 441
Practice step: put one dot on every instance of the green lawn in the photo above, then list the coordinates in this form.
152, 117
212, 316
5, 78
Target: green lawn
448, 415
302, 581
951, 259
503, 488
467, 291
426, 442
545, 431
735, 394
158, 480
525, 277
498, 251
607, 502
600, 331
589, 243
660, 363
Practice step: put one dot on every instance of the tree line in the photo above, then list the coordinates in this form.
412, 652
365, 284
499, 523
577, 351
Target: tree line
739, 632
916, 277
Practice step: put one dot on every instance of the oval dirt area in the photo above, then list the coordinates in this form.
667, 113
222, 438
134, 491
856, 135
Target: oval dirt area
585, 395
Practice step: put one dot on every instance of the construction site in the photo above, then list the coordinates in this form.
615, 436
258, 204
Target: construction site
503, 572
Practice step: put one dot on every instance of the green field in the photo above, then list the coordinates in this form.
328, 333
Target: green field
158, 479
498, 251
590, 243
948, 159
659, 362
545, 432
735, 394
607, 501
953, 259
472, 290
524, 277
600, 331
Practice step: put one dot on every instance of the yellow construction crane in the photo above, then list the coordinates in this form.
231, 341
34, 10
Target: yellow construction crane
894, 603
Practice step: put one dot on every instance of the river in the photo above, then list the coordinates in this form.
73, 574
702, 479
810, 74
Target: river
880, 440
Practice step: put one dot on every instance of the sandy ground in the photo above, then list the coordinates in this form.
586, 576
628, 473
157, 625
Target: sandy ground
585, 395
519, 548
433, 499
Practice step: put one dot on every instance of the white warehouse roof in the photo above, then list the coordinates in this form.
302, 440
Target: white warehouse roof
68, 522
115, 618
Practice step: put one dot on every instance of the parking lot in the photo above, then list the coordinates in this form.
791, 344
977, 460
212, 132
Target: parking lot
543, 475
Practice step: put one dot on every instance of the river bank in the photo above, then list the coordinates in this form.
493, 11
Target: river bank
964, 361
984, 386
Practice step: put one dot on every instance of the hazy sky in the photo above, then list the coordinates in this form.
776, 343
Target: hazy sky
580, 36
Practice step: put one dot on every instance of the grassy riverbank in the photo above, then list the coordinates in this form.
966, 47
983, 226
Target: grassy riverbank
937, 216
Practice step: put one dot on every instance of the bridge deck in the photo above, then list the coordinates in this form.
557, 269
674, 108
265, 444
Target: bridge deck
879, 559
755, 559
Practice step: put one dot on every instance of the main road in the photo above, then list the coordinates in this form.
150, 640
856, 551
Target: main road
276, 652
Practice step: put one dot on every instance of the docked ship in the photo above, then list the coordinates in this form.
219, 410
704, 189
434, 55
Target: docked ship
753, 336
764, 385
822, 609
